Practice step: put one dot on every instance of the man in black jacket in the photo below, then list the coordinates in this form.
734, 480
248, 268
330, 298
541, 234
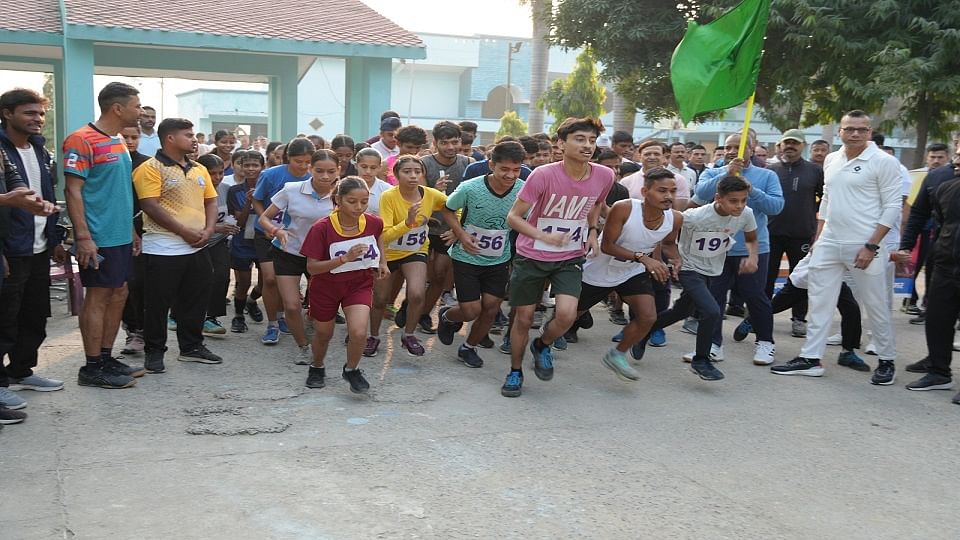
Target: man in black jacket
792, 231
31, 240
943, 296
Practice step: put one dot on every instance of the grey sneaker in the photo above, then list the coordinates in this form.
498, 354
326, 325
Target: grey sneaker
798, 328
201, 354
11, 400
36, 382
10, 416
616, 362
304, 356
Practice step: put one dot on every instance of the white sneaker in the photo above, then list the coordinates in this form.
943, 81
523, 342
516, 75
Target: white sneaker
835, 340
546, 301
716, 354
763, 356
956, 345
871, 348
304, 356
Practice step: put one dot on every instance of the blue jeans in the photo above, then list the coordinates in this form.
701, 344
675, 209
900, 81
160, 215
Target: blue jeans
750, 287
696, 295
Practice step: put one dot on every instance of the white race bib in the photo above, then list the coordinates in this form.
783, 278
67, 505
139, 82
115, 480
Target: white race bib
370, 258
576, 228
411, 240
711, 244
490, 241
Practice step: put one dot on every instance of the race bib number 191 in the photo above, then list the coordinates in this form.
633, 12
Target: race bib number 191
711, 244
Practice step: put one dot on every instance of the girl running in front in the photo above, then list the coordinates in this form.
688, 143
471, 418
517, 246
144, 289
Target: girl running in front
301, 204
405, 210
344, 255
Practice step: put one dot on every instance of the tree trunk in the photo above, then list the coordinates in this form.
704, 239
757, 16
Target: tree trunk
624, 114
923, 129
540, 63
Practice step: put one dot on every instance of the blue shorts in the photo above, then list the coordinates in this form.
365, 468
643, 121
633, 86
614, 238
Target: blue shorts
115, 270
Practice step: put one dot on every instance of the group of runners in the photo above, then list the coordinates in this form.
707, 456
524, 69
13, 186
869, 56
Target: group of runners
538, 221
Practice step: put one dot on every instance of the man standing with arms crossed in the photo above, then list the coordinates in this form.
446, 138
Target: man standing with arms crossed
99, 195
861, 203
555, 216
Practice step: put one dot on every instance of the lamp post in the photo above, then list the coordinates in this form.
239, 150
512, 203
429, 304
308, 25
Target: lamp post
512, 48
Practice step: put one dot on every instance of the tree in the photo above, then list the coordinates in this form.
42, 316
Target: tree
540, 59
50, 124
511, 124
579, 95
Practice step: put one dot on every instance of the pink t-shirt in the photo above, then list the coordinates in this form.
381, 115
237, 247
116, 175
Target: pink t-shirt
561, 204
390, 178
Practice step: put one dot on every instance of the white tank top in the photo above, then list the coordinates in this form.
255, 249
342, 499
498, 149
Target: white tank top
605, 271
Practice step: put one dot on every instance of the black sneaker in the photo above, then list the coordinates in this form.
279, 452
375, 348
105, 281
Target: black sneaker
705, 369
469, 357
931, 381
486, 342
153, 362
103, 377
254, 310
447, 329
571, 336
585, 321
316, 376
639, 349
339, 319
885, 373
400, 317
358, 385
426, 324
201, 355
618, 318
919, 319
116, 365
808, 367
238, 325
920, 366
736, 311
10, 416
851, 360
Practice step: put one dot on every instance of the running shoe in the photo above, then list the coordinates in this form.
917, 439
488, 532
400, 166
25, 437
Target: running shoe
238, 325
505, 345
742, 330
171, 324
358, 384
103, 377
271, 336
851, 360
618, 337
116, 365
200, 355
315, 377
884, 374
133, 344
400, 317
212, 327
706, 370
304, 356
370, 349
931, 381
513, 385
559, 344
282, 326
256, 314
920, 366
798, 328
763, 354
618, 318
469, 357
808, 367
486, 343
617, 362
690, 325
542, 361
412, 345
716, 354
36, 383
447, 329
658, 338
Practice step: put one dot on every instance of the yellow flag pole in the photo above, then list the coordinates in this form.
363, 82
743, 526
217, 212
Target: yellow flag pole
746, 126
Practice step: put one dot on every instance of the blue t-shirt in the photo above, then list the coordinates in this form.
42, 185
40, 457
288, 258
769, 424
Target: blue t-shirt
482, 168
104, 164
766, 199
270, 183
241, 245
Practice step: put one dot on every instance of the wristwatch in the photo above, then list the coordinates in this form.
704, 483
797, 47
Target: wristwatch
872, 247
637, 256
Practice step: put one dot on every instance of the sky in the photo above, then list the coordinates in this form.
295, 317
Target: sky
458, 17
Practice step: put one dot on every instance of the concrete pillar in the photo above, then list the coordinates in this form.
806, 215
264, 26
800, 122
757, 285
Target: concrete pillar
74, 84
367, 94
283, 99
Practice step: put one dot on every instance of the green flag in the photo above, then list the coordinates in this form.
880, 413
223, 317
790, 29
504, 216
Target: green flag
716, 65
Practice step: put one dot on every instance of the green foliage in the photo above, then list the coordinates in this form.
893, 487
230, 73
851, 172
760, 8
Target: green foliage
511, 124
579, 95
50, 125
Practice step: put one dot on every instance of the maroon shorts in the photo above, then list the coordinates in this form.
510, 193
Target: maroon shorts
326, 297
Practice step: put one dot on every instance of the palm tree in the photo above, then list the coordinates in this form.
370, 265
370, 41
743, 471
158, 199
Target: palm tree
541, 11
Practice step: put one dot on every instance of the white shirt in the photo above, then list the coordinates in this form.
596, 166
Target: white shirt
384, 151
149, 144
379, 186
301, 207
859, 194
31, 173
689, 174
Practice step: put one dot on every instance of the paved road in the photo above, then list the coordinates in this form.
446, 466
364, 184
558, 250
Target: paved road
434, 451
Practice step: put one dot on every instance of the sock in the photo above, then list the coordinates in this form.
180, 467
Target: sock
405, 334
280, 316
345, 369
106, 352
94, 361
272, 324
238, 306
469, 346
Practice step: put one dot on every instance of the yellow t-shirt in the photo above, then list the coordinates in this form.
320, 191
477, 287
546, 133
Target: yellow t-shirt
181, 193
399, 240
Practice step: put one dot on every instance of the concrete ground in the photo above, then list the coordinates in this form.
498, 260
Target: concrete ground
243, 450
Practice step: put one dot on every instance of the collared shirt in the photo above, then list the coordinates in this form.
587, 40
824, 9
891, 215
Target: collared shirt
689, 174
149, 144
384, 151
300, 207
859, 194
182, 191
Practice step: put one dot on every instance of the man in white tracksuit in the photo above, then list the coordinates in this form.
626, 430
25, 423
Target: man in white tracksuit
861, 203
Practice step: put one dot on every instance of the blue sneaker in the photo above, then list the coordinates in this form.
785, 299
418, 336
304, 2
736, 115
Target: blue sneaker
617, 338
542, 361
282, 325
271, 336
742, 330
511, 387
505, 345
658, 338
560, 343
171, 324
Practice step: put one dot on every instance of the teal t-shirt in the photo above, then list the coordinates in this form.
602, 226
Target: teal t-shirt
484, 215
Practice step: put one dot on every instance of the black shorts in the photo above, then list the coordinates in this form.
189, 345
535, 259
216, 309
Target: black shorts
115, 270
243, 265
473, 280
437, 244
287, 264
262, 245
393, 266
591, 295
